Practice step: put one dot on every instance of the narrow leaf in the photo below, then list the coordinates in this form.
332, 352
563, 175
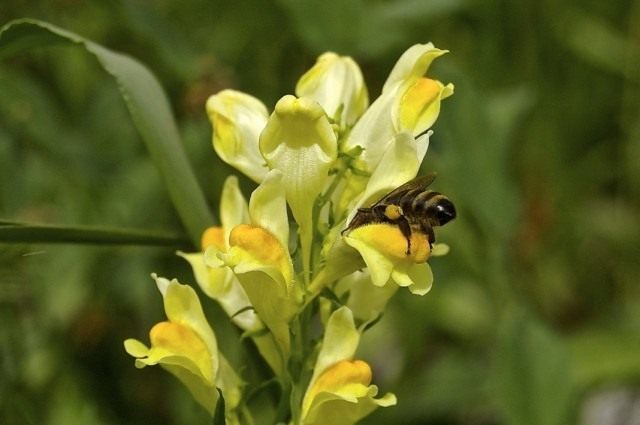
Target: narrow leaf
44, 233
147, 104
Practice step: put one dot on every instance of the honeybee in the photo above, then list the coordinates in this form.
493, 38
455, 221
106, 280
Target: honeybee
412, 207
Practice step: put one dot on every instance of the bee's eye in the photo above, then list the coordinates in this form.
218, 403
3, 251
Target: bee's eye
445, 211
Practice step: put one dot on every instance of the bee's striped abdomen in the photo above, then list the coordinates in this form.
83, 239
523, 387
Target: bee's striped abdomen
426, 199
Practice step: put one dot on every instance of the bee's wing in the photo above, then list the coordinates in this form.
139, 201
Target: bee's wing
420, 182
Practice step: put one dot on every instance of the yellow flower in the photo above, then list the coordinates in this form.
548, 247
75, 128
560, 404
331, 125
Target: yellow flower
400, 163
299, 141
384, 249
336, 83
408, 103
186, 346
219, 283
237, 120
259, 257
365, 300
340, 390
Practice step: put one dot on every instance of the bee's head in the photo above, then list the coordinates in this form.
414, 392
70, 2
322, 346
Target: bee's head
444, 211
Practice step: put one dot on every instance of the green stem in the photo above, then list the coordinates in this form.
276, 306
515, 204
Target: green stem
319, 204
246, 414
283, 411
317, 284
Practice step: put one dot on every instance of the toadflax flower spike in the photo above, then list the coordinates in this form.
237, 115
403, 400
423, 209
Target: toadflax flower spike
364, 228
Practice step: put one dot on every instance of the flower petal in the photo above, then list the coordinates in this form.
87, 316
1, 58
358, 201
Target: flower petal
439, 249
253, 248
299, 141
419, 106
274, 307
422, 276
384, 249
268, 207
341, 260
237, 120
182, 306
214, 281
206, 395
339, 391
378, 264
374, 132
400, 163
413, 64
213, 236
332, 408
348, 379
233, 207
377, 127
220, 284
340, 342
180, 342
264, 268
178, 364
336, 83
366, 301
185, 345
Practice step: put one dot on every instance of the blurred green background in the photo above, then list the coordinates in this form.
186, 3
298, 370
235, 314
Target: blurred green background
534, 317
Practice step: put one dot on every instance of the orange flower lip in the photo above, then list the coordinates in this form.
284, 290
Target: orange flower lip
389, 240
341, 378
259, 242
184, 341
213, 236
343, 373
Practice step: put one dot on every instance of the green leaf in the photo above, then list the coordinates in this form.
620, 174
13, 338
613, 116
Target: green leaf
149, 109
371, 323
331, 296
25, 232
218, 415
532, 370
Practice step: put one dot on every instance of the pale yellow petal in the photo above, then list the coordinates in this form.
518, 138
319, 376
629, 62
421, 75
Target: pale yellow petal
300, 142
238, 119
336, 83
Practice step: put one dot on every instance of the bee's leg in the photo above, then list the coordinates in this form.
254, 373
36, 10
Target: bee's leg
405, 228
428, 230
